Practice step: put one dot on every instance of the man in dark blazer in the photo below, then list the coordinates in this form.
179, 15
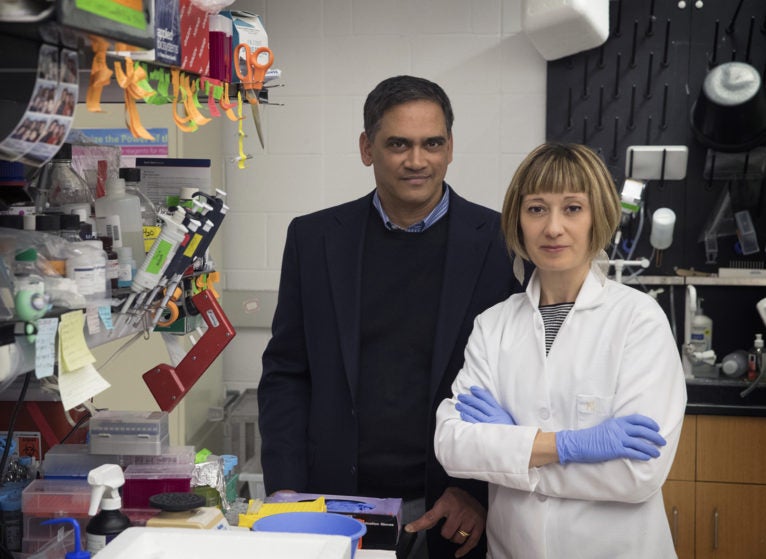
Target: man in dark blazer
377, 298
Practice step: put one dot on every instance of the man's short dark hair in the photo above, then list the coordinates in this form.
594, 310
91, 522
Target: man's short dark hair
402, 89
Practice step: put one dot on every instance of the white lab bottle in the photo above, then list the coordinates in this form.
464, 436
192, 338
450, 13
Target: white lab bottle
118, 215
701, 330
87, 267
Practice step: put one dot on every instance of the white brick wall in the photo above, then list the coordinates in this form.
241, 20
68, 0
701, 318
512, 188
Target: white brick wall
332, 52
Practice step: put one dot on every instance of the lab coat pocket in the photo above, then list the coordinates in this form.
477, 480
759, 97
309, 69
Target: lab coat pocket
592, 409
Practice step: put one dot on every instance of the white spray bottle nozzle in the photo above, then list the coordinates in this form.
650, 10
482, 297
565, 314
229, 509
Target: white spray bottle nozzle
105, 480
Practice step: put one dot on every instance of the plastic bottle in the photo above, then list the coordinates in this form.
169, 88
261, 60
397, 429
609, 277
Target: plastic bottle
161, 253
755, 358
132, 176
109, 522
702, 330
112, 262
127, 266
48, 223
87, 267
734, 364
70, 228
77, 553
118, 215
61, 189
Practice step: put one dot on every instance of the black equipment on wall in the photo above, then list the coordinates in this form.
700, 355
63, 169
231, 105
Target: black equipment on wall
639, 88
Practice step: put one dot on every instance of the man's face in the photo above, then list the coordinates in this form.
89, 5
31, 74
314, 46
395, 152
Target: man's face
409, 155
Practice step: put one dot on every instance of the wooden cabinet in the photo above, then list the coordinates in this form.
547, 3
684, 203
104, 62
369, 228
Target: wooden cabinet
679, 505
715, 496
729, 520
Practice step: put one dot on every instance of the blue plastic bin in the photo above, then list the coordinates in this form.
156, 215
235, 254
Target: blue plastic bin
313, 523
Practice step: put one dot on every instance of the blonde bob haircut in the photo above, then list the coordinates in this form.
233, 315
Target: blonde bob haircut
558, 168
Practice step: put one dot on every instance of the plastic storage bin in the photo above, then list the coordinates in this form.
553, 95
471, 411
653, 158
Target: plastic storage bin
144, 480
56, 497
129, 432
73, 461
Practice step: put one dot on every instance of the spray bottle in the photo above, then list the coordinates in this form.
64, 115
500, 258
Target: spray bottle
107, 524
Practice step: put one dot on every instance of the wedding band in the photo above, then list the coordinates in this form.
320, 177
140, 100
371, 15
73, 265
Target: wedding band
464, 533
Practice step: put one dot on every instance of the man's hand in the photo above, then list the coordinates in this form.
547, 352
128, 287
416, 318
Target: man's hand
465, 519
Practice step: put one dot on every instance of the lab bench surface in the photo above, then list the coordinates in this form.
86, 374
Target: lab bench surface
721, 396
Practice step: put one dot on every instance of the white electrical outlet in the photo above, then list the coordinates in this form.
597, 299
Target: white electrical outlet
646, 162
761, 306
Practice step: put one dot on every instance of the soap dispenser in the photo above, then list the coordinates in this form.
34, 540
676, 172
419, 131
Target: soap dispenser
702, 329
109, 522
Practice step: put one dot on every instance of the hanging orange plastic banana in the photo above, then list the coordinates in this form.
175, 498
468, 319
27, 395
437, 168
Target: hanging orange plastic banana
180, 121
129, 81
100, 75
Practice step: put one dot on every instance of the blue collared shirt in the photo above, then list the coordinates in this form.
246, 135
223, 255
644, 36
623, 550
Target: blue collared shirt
439, 211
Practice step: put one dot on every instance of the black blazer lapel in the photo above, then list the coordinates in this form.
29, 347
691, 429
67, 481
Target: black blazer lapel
468, 240
344, 242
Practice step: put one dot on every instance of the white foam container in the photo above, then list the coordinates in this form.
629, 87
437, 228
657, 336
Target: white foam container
171, 543
559, 28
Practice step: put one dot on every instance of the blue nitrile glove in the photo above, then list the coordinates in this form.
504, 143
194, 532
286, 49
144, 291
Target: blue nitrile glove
633, 436
481, 407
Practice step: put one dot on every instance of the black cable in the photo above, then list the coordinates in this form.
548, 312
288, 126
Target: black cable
80, 423
12, 424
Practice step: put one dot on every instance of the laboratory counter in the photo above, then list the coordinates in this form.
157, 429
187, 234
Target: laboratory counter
722, 396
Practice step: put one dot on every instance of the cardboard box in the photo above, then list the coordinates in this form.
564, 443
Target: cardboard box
195, 40
167, 32
166, 47
383, 517
247, 28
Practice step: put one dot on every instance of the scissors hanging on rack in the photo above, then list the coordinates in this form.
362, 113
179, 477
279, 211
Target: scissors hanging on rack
257, 63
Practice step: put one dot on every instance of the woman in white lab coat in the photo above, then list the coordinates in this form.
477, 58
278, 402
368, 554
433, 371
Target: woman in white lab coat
572, 396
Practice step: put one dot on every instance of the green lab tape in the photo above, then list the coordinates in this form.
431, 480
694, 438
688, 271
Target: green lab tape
630, 207
115, 11
159, 257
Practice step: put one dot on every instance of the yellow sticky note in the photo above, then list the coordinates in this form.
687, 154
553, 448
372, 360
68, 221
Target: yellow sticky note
79, 385
74, 349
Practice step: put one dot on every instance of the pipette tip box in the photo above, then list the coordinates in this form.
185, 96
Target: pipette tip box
129, 432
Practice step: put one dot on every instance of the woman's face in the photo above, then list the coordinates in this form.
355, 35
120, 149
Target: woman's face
557, 231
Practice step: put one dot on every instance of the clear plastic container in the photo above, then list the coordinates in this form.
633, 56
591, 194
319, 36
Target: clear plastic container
129, 432
144, 480
56, 497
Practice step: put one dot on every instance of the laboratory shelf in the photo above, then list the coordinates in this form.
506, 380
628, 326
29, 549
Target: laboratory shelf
696, 280
721, 396
653, 280
726, 281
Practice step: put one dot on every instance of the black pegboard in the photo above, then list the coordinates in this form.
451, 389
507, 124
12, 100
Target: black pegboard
639, 87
